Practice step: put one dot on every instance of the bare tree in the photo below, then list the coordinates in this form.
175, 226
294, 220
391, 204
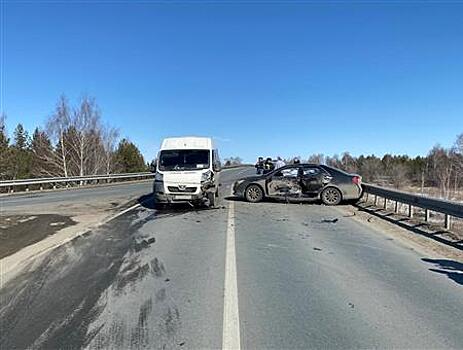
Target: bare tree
399, 175
349, 163
334, 161
316, 159
86, 124
57, 125
109, 138
369, 167
441, 167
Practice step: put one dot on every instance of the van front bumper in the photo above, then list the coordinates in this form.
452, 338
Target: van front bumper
162, 195
178, 198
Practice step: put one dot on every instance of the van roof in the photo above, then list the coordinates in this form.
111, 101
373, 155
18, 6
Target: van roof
189, 142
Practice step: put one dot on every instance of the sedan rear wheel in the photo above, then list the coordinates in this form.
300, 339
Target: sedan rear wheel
331, 196
254, 194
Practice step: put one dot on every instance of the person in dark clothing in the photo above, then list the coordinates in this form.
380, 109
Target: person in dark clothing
260, 165
268, 165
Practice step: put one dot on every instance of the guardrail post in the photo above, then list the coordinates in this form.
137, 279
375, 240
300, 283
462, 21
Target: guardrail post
27, 189
396, 207
376, 200
426, 215
41, 188
410, 211
447, 222
366, 197
385, 203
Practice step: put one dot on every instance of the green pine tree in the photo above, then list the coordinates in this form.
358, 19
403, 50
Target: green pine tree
129, 158
4, 150
21, 154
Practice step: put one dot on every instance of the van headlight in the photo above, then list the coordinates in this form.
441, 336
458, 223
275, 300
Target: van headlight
207, 176
158, 177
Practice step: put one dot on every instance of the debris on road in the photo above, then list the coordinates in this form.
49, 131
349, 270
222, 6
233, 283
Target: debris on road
330, 221
143, 244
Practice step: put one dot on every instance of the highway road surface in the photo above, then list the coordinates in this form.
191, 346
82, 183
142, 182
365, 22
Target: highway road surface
249, 276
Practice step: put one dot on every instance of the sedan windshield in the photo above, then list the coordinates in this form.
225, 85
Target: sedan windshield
183, 160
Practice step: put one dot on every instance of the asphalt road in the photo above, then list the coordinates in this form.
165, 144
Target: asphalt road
288, 276
23, 201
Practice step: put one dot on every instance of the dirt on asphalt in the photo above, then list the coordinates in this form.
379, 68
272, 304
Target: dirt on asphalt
18, 231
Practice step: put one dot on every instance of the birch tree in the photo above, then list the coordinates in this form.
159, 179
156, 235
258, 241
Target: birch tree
86, 125
57, 125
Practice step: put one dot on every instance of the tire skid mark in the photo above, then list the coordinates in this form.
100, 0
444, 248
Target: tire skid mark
157, 323
50, 298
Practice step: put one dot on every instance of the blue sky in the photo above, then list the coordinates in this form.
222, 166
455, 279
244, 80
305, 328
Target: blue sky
263, 77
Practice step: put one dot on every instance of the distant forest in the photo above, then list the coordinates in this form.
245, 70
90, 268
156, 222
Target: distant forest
72, 142
441, 168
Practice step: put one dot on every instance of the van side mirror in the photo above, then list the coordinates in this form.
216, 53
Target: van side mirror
216, 167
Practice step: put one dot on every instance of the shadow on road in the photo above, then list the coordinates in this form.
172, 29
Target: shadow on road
146, 201
420, 228
272, 200
453, 269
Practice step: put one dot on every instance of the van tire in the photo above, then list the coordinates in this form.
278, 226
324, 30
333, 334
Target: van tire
211, 196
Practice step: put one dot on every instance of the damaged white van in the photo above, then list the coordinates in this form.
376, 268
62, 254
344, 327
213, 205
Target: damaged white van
187, 171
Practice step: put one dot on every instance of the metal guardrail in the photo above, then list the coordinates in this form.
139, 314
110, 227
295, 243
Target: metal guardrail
40, 182
448, 208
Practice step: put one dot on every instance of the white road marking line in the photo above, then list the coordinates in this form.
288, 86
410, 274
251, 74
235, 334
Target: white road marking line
231, 319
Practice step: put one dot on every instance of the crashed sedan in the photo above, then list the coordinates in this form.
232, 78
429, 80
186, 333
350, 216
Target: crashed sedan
301, 182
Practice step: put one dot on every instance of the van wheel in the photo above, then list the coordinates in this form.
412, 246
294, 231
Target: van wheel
331, 196
212, 199
160, 206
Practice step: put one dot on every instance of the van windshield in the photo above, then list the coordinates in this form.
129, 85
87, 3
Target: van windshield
189, 159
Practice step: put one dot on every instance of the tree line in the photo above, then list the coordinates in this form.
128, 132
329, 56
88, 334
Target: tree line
73, 142
441, 168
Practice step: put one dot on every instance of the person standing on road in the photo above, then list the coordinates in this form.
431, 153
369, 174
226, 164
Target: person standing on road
268, 165
260, 165
279, 163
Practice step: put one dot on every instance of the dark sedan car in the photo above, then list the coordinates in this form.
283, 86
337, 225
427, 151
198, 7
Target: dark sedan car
301, 182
